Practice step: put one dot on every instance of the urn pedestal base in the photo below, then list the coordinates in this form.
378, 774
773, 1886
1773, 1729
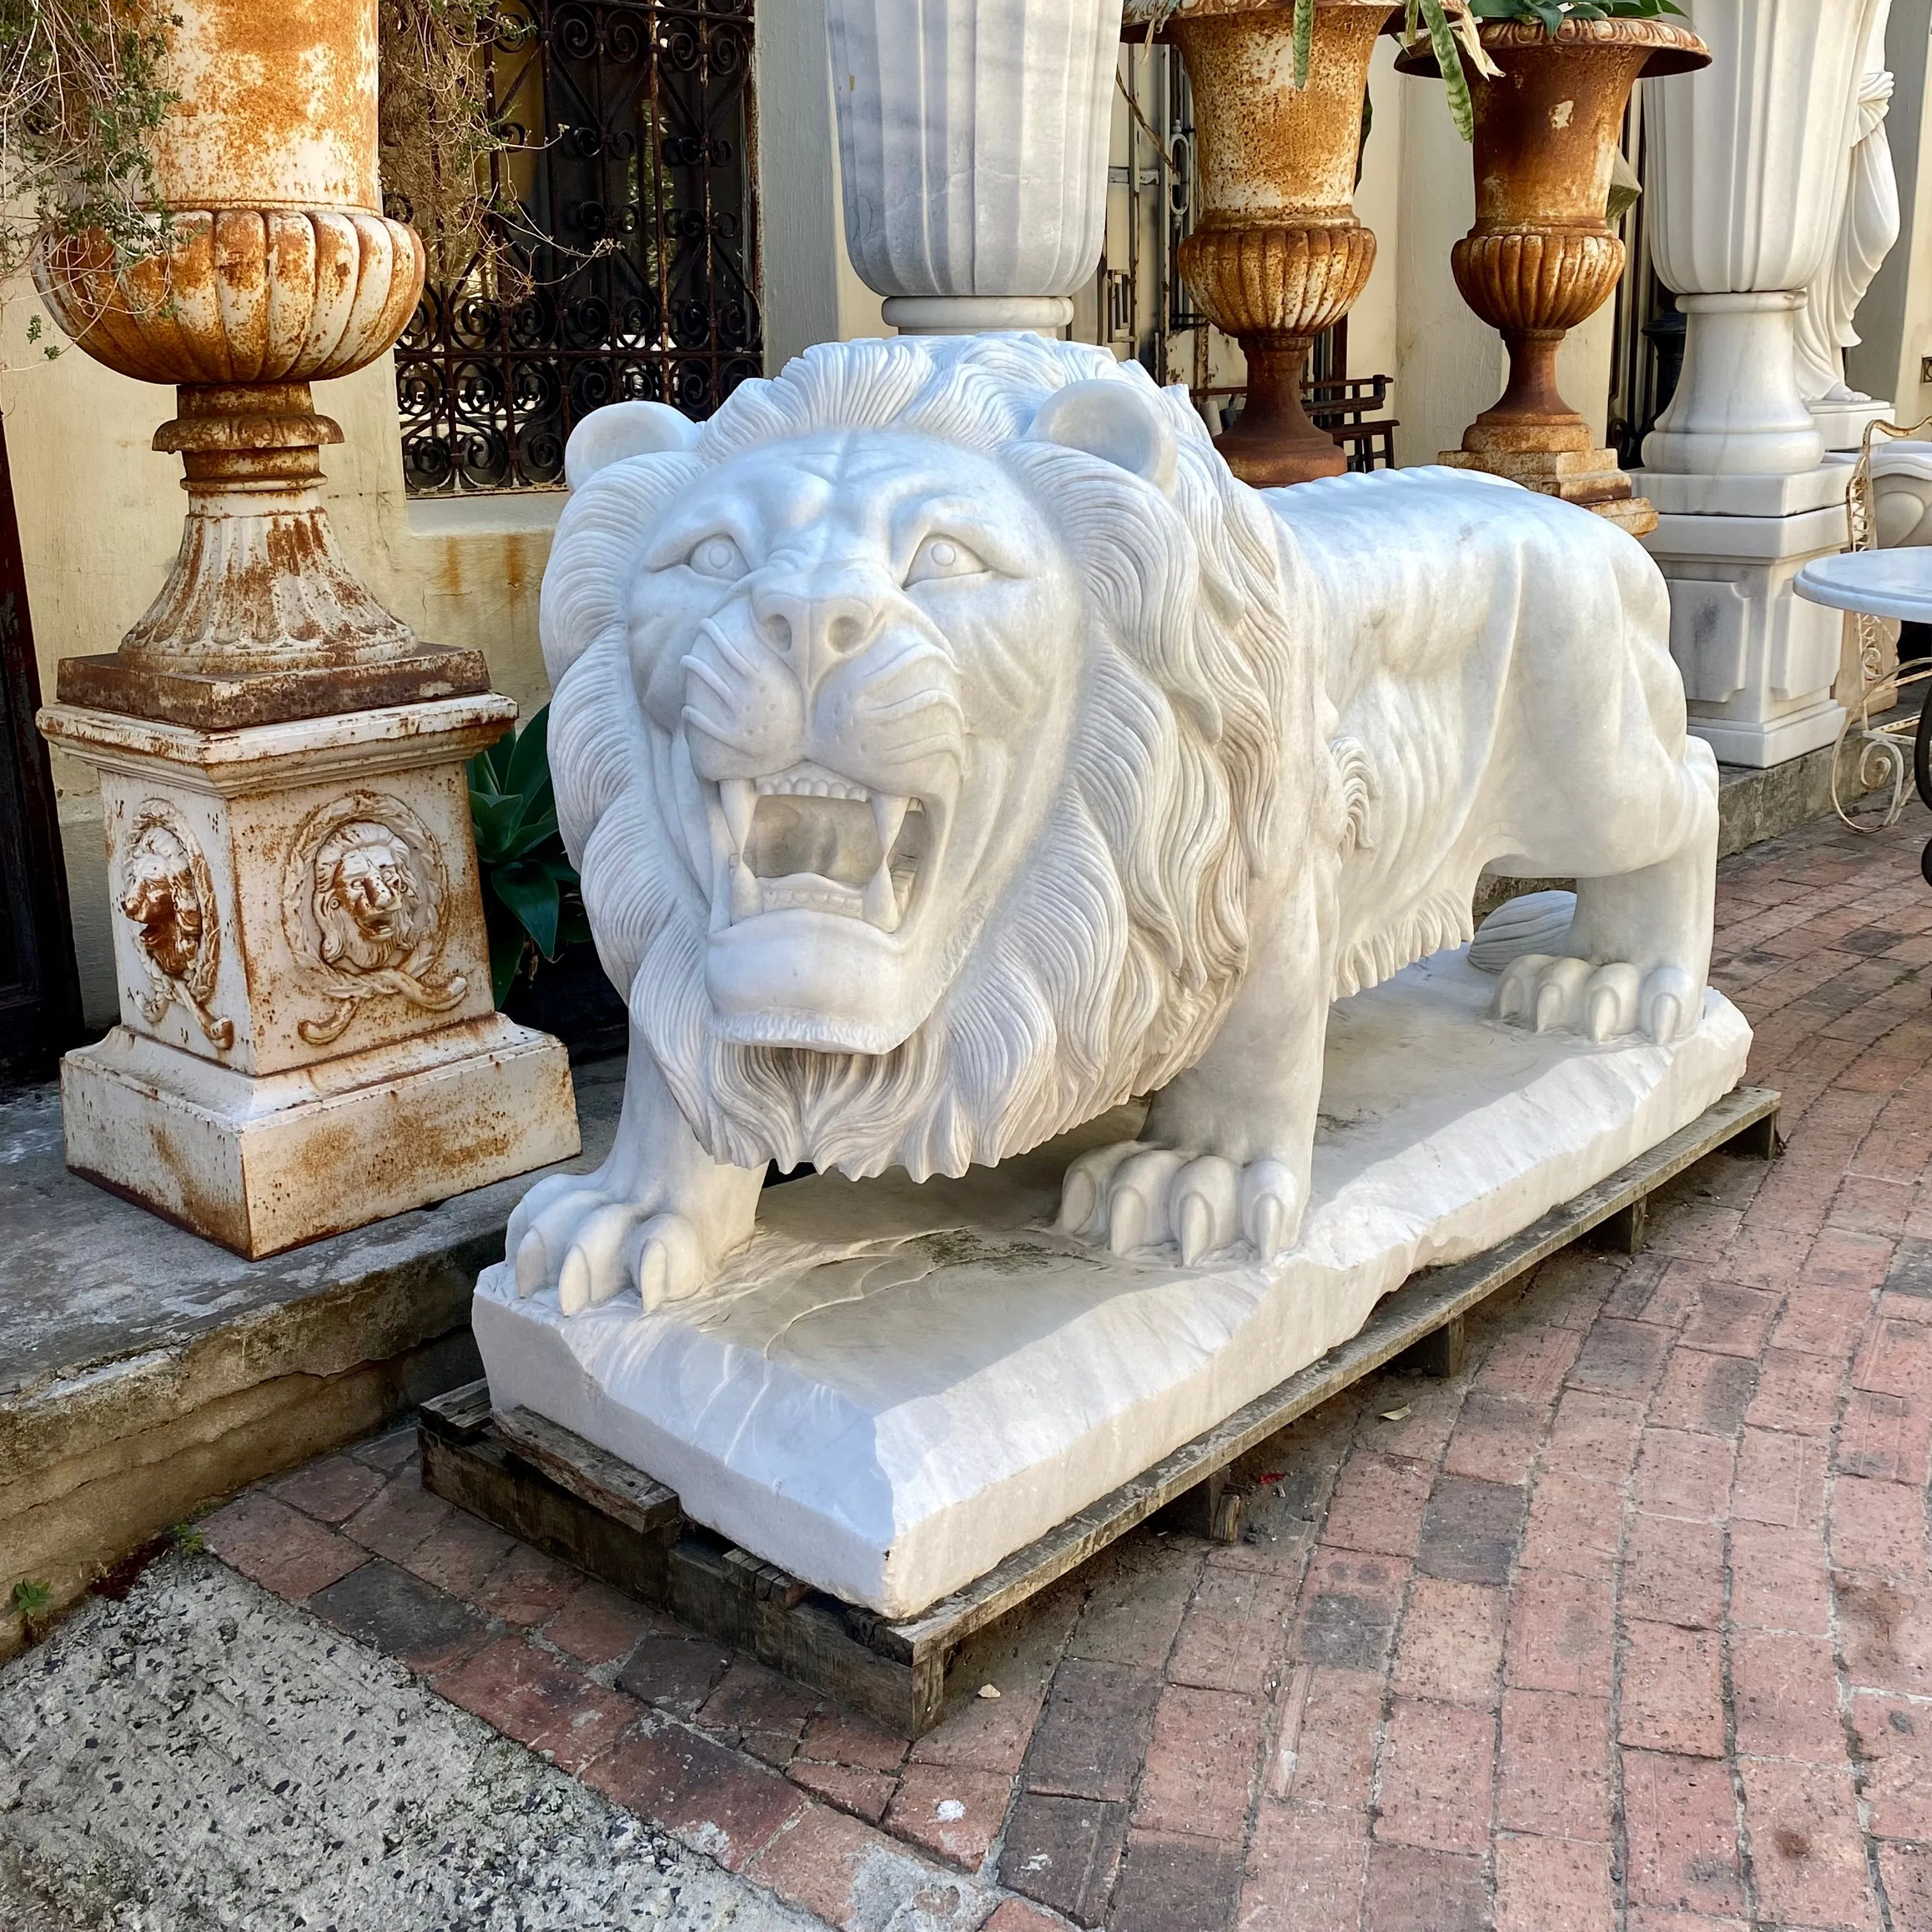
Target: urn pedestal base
1591, 478
307, 1037
1758, 663
896, 1386
259, 1164
1843, 425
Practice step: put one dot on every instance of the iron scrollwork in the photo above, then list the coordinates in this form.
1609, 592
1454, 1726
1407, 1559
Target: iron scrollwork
631, 220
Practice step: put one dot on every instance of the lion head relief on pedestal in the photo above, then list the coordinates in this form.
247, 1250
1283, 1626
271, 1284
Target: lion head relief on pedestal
918, 727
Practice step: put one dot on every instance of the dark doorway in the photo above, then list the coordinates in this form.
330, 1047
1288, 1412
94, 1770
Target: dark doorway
40, 993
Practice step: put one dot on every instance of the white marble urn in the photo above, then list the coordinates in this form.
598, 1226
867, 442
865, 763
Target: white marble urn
1747, 177
973, 139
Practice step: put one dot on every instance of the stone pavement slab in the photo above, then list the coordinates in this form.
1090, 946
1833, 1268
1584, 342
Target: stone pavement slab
202, 1754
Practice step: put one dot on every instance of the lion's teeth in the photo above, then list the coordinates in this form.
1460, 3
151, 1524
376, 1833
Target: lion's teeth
888, 815
739, 797
881, 906
747, 902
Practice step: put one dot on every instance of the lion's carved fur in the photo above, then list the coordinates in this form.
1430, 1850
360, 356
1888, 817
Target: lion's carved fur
1107, 964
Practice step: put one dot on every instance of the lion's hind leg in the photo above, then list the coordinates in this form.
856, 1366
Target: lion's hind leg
1637, 954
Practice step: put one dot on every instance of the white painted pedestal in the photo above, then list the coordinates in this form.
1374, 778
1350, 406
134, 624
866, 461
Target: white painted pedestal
895, 1386
307, 1038
1758, 664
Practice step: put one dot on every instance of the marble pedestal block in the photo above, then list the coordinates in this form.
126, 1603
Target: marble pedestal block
1843, 425
1758, 663
895, 1386
307, 1038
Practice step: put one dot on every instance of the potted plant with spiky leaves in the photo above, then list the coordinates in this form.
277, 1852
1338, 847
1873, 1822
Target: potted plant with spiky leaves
1542, 257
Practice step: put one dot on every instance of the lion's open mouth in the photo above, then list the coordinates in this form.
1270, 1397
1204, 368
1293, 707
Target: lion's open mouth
810, 839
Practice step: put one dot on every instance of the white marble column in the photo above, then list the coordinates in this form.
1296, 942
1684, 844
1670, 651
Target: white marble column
1749, 168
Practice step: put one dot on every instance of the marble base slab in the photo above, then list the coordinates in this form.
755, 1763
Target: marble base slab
894, 1387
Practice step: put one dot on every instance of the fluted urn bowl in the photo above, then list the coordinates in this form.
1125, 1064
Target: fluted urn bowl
244, 295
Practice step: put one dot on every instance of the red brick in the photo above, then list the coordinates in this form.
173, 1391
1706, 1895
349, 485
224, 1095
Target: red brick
952, 1812
1807, 1853
1642, 1921
1683, 1474
1620, 1358
1553, 1884
1681, 1820
1497, 1437
1200, 1765
1378, 1506
1781, 1479
1885, 1632
1878, 1526
1870, 1206
393, 1523
381, 1604
866, 1794
987, 1733
748, 1697
1093, 1738
1349, 1604
530, 1696
1822, 1320
1307, 1865
1065, 1853
1895, 1359
1693, 1230
1703, 1392
527, 1586
1176, 1884
1766, 1256
332, 1490
1234, 1632
1672, 1696
1673, 1572
1575, 1526
1016, 1916
1529, 1362
836, 1736
1796, 1393
458, 1554
1137, 1594
1434, 1790
1555, 1765
1408, 1888
1594, 1435
1888, 1437
282, 1550
710, 1797
598, 1624
1785, 1693
1906, 1871
1895, 1740
853, 1876
1451, 1647
1559, 1634
1731, 1320
1335, 1740
1780, 1580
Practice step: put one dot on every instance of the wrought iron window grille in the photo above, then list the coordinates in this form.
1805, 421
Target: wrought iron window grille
624, 210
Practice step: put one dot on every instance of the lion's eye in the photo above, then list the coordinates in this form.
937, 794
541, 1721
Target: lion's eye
942, 556
718, 557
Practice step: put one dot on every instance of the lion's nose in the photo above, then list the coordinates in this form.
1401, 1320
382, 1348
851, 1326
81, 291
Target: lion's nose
813, 631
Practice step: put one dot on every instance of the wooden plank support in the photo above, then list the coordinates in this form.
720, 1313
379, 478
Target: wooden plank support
575, 1501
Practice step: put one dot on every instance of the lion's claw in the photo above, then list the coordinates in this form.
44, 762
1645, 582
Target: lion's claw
1131, 1196
592, 1247
1544, 993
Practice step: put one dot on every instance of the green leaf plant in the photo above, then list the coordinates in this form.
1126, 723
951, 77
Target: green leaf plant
532, 901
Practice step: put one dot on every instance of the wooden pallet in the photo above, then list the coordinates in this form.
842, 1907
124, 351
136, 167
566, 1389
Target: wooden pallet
549, 1487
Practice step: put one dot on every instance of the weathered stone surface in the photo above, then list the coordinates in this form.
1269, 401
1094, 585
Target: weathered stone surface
202, 1754
144, 1371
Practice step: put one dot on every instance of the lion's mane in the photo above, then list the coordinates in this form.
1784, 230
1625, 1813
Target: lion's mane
1105, 967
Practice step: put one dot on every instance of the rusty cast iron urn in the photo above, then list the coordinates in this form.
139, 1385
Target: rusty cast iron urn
282, 268
1277, 256
1542, 258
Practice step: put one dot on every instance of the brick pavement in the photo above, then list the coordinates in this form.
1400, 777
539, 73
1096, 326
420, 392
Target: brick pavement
1630, 1626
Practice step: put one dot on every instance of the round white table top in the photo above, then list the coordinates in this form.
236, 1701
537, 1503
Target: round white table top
1877, 583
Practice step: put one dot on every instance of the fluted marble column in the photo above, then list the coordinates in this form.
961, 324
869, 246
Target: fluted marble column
1747, 174
972, 150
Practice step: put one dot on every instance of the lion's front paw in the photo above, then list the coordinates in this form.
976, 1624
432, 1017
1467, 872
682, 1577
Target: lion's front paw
1135, 1195
590, 1244
1544, 993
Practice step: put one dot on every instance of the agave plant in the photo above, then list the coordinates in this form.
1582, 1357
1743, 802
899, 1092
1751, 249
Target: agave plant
532, 902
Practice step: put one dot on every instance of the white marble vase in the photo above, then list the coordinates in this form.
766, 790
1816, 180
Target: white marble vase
1748, 163
972, 140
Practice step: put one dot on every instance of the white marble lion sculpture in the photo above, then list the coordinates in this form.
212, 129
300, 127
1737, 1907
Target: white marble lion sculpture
953, 748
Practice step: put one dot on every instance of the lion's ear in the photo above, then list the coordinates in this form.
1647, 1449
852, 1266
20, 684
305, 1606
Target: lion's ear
1119, 422
620, 430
